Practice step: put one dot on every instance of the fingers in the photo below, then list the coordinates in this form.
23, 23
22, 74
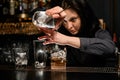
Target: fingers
48, 40
42, 37
59, 15
56, 12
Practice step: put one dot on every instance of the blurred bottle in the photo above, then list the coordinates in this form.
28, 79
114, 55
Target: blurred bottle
1, 7
12, 7
8, 10
22, 9
33, 4
5, 9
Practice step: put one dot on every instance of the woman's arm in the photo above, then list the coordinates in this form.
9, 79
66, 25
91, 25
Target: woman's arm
102, 43
58, 38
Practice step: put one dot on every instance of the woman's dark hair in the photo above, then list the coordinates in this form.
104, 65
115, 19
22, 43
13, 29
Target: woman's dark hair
90, 23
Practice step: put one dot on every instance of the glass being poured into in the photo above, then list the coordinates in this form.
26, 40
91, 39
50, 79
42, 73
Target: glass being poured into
40, 19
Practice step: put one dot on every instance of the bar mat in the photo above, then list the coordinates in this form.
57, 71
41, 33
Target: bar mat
94, 69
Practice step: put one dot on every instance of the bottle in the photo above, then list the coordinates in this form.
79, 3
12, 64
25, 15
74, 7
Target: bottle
21, 10
12, 7
5, 9
12, 11
1, 7
33, 4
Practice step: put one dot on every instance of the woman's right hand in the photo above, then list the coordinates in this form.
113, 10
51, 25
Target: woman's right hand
58, 14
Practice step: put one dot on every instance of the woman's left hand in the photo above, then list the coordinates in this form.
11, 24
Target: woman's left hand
53, 36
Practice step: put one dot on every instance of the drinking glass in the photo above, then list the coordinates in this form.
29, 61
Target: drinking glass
40, 19
21, 57
40, 54
58, 57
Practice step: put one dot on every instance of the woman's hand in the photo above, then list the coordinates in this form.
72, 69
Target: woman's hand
53, 36
58, 14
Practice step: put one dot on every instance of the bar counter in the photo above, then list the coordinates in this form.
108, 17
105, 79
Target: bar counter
71, 73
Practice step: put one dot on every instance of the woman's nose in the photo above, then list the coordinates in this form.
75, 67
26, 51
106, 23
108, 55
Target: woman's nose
69, 25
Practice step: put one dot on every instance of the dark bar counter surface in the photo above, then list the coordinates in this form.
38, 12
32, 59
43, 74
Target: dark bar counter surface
70, 73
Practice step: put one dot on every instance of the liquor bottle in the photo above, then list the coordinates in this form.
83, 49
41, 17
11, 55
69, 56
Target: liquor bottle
21, 13
20, 7
25, 6
5, 9
1, 7
33, 4
12, 11
12, 7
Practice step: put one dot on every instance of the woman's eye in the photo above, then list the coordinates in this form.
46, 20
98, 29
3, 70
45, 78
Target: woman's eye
73, 19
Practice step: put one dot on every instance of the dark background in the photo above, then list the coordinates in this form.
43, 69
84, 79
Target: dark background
109, 11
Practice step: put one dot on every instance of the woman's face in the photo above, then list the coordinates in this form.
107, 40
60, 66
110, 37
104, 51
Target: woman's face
72, 21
